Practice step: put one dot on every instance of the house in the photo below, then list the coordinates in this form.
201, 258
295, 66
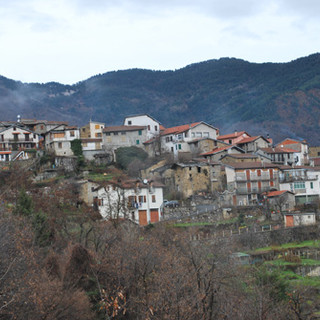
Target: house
314, 151
217, 153
244, 157
315, 161
58, 140
144, 120
16, 137
42, 126
5, 155
281, 155
139, 201
176, 139
124, 136
279, 200
234, 138
249, 179
299, 219
301, 146
188, 178
303, 181
253, 144
93, 130
203, 145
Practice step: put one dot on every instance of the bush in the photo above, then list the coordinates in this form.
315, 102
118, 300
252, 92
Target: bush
126, 155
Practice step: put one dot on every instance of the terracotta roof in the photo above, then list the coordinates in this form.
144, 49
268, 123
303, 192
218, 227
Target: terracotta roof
249, 139
179, 129
71, 128
276, 193
241, 155
123, 128
251, 165
233, 135
291, 141
278, 150
216, 150
5, 152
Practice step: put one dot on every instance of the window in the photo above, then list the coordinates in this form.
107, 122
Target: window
140, 132
167, 139
180, 136
107, 133
199, 169
311, 185
206, 134
129, 123
148, 127
58, 135
153, 198
97, 127
193, 134
123, 133
300, 185
199, 134
115, 133
138, 142
179, 146
190, 168
60, 145
230, 141
83, 129
171, 149
98, 134
2, 137
71, 133
155, 128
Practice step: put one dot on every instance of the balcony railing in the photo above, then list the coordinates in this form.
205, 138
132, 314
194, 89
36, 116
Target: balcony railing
298, 178
253, 190
255, 177
19, 140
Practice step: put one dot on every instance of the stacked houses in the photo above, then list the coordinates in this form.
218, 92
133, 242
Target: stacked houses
249, 169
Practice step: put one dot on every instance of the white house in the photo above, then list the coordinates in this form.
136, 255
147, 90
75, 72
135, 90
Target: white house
58, 140
302, 147
176, 139
299, 219
152, 125
17, 138
138, 201
248, 180
303, 181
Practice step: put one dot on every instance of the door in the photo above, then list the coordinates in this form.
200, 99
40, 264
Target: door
143, 217
289, 221
154, 215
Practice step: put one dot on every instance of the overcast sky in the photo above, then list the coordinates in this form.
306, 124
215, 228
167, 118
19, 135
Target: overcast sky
71, 40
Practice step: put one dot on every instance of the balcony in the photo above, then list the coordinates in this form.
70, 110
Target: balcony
20, 140
254, 177
254, 190
298, 178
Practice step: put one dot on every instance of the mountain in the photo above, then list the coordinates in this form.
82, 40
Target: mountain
282, 99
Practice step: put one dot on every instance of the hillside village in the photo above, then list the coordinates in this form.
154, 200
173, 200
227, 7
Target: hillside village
191, 164
142, 221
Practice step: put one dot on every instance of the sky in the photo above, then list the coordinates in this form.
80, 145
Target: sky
68, 41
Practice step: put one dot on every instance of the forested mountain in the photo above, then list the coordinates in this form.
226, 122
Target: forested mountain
282, 99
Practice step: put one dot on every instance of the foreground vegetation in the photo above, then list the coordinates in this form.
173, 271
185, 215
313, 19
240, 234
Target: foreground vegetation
60, 261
